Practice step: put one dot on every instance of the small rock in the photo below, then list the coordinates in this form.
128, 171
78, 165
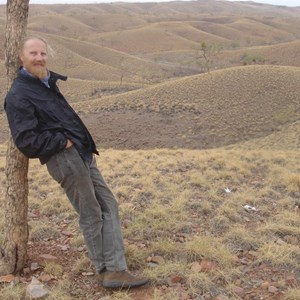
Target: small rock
196, 267
88, 273
290, 239
239, 291
67, 233
67, 240
34, 266
252, 254
280, 242
65, 247
44, 258
126, 223
176, 278
207, 266
158, 260
244, 261
36, 290
265, 285
152, 265
31, 215
7, 278
44, 277
180, 239
221, 297
291, 281
272, 289
141, 245
184, 296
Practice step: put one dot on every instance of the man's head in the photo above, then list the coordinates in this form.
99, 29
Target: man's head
34, 56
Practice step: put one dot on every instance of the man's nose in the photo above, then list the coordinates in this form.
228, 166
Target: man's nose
39, 56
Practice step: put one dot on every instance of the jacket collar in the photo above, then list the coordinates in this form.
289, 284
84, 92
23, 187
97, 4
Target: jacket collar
53, 76
57, 76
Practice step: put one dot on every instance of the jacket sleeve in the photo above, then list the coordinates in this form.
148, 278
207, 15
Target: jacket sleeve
24, 126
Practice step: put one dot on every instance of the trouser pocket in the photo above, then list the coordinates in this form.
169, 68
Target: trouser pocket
54, 169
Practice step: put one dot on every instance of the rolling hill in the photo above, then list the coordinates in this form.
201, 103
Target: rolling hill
136, 70
203, 111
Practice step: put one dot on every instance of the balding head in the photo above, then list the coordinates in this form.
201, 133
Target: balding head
34, 56
31, 38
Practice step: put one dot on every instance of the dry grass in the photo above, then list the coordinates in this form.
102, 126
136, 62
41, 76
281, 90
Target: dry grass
82, 264
16, 292
292, 294
163, 193
54, 269
63, 290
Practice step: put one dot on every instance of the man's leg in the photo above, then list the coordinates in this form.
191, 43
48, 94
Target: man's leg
69, 170
113, 247
116, 275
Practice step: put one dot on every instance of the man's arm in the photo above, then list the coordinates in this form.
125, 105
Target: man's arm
26, 133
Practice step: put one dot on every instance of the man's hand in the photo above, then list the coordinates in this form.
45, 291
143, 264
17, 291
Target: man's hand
69, 144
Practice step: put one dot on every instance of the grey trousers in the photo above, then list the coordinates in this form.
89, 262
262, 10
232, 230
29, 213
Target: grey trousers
96, 205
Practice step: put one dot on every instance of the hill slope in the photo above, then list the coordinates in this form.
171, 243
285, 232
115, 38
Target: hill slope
202, 111
110, 49
285, 139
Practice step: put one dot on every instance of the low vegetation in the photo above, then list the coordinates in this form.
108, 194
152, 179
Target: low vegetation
186, 207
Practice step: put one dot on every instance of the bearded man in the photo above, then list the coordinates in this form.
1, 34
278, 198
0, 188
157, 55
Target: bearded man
44, 126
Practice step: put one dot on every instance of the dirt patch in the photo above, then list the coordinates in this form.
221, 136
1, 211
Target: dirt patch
148, 130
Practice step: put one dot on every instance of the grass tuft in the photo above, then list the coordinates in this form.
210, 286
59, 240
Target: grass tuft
280, 255
204, 247
40, 231
16, 292
54, 269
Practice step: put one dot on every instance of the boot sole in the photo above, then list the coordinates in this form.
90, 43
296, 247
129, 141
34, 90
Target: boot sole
118, 284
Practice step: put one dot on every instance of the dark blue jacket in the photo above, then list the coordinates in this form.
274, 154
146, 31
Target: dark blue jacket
41, 120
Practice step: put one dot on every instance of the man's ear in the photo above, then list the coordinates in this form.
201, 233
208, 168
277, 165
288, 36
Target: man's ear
21, 56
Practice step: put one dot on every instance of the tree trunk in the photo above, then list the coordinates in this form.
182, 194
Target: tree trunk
14, 248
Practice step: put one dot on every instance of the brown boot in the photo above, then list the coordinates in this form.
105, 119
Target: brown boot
122, 279
100, 276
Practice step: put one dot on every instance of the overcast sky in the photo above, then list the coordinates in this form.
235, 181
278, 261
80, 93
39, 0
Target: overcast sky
274, 2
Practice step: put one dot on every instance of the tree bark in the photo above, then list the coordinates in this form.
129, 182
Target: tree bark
14, 248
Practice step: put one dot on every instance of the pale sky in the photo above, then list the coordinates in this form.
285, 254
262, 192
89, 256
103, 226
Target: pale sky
274, 2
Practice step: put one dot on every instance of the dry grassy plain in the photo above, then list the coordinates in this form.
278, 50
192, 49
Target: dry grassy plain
186, 143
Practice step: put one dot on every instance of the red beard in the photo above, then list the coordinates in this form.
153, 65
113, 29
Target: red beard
38, 71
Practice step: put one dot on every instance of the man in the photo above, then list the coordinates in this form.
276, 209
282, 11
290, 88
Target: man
44, 126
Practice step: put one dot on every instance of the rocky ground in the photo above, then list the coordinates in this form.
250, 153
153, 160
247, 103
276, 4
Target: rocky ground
257, 281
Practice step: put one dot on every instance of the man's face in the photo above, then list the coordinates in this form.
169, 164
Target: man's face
34, 58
